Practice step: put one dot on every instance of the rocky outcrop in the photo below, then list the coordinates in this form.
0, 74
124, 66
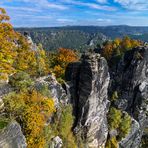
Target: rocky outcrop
88, 81
12, 137
4, 90
131, 83
54, 89
56, 142
132, 139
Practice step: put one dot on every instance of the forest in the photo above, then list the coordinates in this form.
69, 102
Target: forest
82, 37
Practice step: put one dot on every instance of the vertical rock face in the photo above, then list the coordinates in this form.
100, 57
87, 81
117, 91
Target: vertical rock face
131, 82
55, 89
12, 137
88, 81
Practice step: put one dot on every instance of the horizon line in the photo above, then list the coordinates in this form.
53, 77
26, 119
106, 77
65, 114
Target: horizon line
79, 26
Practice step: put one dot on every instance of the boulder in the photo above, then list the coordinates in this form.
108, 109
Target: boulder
56, 142
12, 137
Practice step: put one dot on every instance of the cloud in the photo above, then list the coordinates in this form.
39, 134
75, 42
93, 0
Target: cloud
22, 16
103, 20
63, 20
91, 5
133, 4
44, 4
19, 8
56, 6
101, 1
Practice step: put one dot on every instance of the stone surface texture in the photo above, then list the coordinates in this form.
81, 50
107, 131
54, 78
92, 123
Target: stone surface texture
88, 81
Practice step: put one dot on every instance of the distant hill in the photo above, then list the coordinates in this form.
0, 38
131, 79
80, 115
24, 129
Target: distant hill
81, 37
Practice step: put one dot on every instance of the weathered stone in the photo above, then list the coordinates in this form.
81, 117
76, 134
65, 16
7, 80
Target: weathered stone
133, 139
55, 89
131, 82
12, 137
5, 89
56, 142
88, 82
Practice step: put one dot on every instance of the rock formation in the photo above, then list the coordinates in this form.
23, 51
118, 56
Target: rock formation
131, 83
12, 137
55, 89
88, 81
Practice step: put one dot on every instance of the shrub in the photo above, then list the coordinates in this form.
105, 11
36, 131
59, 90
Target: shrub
44, 90
79, 140
3, 77
114, 118
114, 96
32, 110
112, 143
14, 104
62, 126
125, 126
119, 121
21, 81
65, 127
3, 122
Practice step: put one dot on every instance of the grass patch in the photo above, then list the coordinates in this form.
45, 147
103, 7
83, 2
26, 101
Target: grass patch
3, 122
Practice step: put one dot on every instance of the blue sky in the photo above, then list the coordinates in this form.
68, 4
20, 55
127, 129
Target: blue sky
45, 13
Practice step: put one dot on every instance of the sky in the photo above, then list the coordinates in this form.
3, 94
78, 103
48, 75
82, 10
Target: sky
49, 13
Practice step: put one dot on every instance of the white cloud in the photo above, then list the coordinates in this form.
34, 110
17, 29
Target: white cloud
63, 20
91, 5
134, 4
101, 1
44, 4
19, 8
103, 20
56, 6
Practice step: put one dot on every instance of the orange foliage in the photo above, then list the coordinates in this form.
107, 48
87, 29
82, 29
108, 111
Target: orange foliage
65, 56
119, 47
108, 50
61, 59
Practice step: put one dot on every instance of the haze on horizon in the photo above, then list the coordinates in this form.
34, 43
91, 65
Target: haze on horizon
49, 13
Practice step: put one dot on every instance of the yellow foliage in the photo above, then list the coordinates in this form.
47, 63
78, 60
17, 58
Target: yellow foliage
35, 116
33, 110
42, 61
58, 70
112, 143
119, 46
7, 46
16, 53
114, 118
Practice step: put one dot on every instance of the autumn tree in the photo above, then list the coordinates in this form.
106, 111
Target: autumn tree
114, 50
16, 53
61, 59
7, 44
108, 50
42, 61
31, 110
